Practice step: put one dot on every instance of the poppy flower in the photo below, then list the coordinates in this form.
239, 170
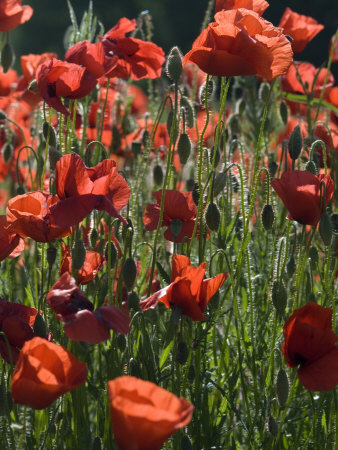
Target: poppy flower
144, 415
136, 58
300, 193
7, 81
13, 14
44, 372
302, 29
240, 42
310, 343
10, 243
259, 6
188, 289
177, 206
82, 189
28, 215
57, 79
16, 321
335, 50
76, 313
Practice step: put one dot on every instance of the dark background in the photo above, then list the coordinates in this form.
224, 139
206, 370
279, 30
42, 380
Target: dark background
176, 22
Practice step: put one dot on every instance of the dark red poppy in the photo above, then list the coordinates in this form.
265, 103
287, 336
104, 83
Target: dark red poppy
300, 193
259, 6
44, 372
136, 58
188, 289
240, 42
82, 189
28, 215
16, 321
57, 79
310, 343
11, 244
144, 415
13, 14
177, 206
302, 29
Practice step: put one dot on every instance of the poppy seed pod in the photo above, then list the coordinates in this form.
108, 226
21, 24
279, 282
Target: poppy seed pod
267, 217
295, 143
325, 229
184, 147
213, 217
49, 133
78, 255
7, 57
129, 272
282, 387
174, 64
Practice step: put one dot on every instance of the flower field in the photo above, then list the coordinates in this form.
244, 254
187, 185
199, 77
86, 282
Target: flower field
169, 236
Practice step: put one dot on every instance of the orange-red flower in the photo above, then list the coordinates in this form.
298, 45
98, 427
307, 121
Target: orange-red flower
13, 14
143, 414
310, 343
302, 29
92, 264
188, 289
300, 193
29, 216
335, 50
259, 6
57, 79
82, 189
177, 206
10, 243
136, 58
44, 372
240, 42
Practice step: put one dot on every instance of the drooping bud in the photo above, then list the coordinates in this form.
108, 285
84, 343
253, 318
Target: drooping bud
182, 353
283, 112
240, 106
113, 253
311, 167
279, 296
234, 124
267, 216
129, 272
20, 190
282, 387
3, 115
48, 130
213, 217
185, 443
264, 92
191, 373
78, 254
206, 91
7, 152
183, 148
325, 229
158, 174
295, 143
174, 64
7, 57
39, 326
176, 227
189, 111
51, 255
272, 166
94, 237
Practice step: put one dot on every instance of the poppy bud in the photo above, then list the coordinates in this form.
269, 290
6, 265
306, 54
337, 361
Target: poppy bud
264, 92
295, 143
121, 342
334, 222
279, 296
2, 115
182, 352
51, 255
196, 194
54, 156
313, 257
176, 227
39, 327
191, 373
204, 90
213, 217
273, 166
184, 148
134, 368
219, 183
129, 273
133, 300
291, 266
7, 152
48, 130
272, 426
7, 57
267, 217
189, 111
20, 190
185, 443
94, 236
33, 87
283, 111
325, 229
78, 255
282, 387
136, 147
145, 137
189, 184
158, 174
174, 64
113, 253
311, 167
217, 156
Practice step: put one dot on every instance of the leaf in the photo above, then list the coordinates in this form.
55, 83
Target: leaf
165, 354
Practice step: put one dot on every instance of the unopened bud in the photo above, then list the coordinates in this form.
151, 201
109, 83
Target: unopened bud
295, 143
39, 326
7, 152
214, 151
94, 236
196, 194
282, 387
51, 255
267, 216
185, 443
273, 166
33, 87
283, 111
234, 124
182, 353
133, 300
334, 223
54, 156
279, 296
311, 167
78, 255
213, 217
174, 64
191, 373
184, 147
189, 111
136, 147
206, 91
158, 174
2, 115
291, 266
129, 272
240, 106
272, 426
313, 257
113, 253
325, 229
264, 92
7, 57
49, 133
20, 190
219, 183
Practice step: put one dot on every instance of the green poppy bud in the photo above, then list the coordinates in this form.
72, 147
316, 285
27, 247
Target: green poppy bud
133, 300
185, 443
158, 174
313, 257
191, 373
174, 64
54, 156
136, 147
291, 266
196, 194
219, 183
176, 227
129, 272
48, 130
189, 111
264, 92
279, 296
325, 229
282, 387
334, 223
7, 152
183, 148
113, 253
121, 342
78, 254
267, 217
295, 143
7, 57
283, 112
311, 167
51, 255
272, 426
182, 353
213, 217
39, 326
204, 90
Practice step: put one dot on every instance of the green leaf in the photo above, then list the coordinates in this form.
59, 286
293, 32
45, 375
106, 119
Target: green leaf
165, 354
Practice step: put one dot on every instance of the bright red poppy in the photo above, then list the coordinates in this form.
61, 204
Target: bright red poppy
28, 215
310, 343
259, 6
177, 206
82, 189
11, 244
44, 372
13, 14
302, 29
136, 58
300, 193
240, 42
143, 414
188, 289
58, 79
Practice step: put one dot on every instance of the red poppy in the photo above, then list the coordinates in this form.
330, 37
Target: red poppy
310, 342
329, 135
177, 206
335, 50
44, 372
57, 79
259, 6
92, 264
8, 81
82, 189
188, 289
10, 243
144, 415
302, 29
29, 216
300, 193
136, 58
240, 42
16, 321
13, 14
